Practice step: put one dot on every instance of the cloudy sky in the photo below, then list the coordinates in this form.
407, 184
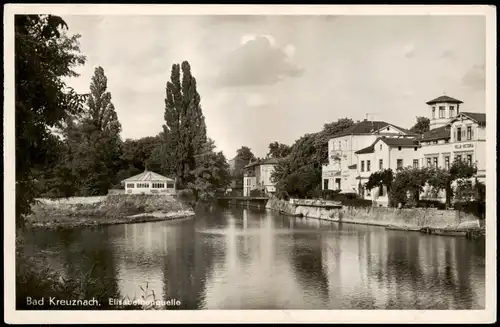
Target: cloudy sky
275, 78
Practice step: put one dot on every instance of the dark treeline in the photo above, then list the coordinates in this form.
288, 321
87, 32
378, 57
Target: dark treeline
69, 144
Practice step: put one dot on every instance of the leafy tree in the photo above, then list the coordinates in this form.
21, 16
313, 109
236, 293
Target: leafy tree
245, 153
442, 179
44, 56
184, 130
278, 150
300, 183
211, 174
309, 151
380, 179
421, 126
95, 140
408, 184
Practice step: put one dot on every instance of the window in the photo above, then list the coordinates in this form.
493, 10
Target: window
441, 112
340, 145
435, 161
469, 159
469, 133
367, 165
416, 148
452, 111
158, 185
325, 184
433, 112
172, 185
130, 185
447, 162
428, 162
399, 148
380, 164
458, 158
362, 165
380, 146
459, 134
415, 163
142, 185
399, 164
435, 142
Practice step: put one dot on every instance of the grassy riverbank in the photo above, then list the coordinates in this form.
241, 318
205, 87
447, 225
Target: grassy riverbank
108, 210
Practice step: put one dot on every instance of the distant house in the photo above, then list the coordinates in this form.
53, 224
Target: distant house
258, 176
149, 182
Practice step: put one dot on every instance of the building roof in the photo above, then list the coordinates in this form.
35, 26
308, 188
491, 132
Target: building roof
402, 142
440, 133
390, 141
269, 161
444, 98
148, 176
480, 118
369, 127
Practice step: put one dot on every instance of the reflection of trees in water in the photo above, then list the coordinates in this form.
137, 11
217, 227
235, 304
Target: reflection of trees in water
420, 272
186, 262
84, 259
307, 261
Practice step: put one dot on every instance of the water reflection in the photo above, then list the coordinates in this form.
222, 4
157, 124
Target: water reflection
255, 259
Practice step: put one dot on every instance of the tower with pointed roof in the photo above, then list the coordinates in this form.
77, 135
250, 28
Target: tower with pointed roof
443, 109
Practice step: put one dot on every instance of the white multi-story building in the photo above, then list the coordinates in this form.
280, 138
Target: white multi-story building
371, 146
257, 175
341, 171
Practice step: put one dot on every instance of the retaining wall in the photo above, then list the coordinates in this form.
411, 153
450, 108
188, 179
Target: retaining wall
412, 219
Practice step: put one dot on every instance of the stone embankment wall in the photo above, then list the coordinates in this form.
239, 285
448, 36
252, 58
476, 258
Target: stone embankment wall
410, 219
110, 206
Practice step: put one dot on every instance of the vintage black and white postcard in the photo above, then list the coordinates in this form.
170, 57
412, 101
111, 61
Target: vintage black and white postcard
209, 163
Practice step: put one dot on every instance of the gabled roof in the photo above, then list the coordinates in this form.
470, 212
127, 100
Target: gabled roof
392, 142
148, 176
367, 127
479, 118
443, 98
440, 133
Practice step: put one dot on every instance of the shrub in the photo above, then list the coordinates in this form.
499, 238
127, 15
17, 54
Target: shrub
329, 194
477, 208
431, 204
356, 202
257, 193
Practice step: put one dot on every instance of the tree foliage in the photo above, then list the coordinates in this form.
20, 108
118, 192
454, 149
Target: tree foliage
305, 159
94, 142
408, 184
184, 130
44, 56
211, 174
421, 126
245, 154
278, 150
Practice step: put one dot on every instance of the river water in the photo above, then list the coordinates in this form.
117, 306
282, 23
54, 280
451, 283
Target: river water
238, 258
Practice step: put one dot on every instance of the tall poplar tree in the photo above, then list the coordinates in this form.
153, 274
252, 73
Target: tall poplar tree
94, 140
184, 129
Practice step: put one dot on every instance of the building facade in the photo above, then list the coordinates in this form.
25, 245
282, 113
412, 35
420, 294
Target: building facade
454, 135
149, 182
341, 171
258, 175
